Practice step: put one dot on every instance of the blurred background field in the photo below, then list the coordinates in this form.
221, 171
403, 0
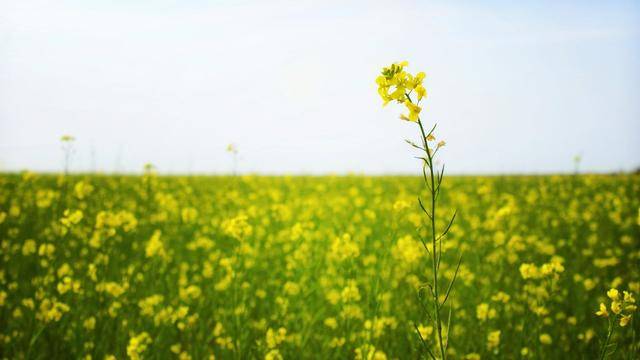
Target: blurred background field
308, 267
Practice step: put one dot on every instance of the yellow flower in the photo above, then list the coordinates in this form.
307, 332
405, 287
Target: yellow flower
337, 342
46, 250
529, 271
414, 81
425, 331
237, 227
71, 217
493, 340
421, 92
616, 307
28, 303
273, 354
350, 293
613, 294
331, 323
395, 84
291, 288
603, 311
137, 345
112, 288
628, 297
502, 297
274, 338
344, 248
64, 270
624, 320
393, 76
51, 310
147, 304
414, 111
29, 247
189, 293
90, 323
369, 352
155, 246
545, 339
65, 285
401, 205
189, 215
82, 189
483, 312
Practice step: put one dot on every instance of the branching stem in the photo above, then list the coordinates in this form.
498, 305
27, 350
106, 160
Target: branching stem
429, 178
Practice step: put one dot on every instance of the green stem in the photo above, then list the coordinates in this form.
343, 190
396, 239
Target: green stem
33, 341
434, 253
603, 352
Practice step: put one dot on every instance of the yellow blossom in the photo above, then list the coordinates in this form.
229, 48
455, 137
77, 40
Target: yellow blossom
137, 345
493, 339
545, 339
624, 320
613, 294
603, 311
155, 246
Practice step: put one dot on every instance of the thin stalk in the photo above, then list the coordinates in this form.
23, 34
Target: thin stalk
436, 245
434, 251
603, 352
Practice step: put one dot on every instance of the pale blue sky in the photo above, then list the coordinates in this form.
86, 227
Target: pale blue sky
515, 86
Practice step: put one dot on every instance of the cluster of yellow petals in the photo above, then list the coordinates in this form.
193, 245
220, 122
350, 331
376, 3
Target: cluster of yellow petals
550, 269
137, 345
395, 84
622, 306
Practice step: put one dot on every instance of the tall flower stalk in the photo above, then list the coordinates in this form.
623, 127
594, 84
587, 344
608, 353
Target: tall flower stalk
622, 308
68, 150
67, 142
233, 150
395, 84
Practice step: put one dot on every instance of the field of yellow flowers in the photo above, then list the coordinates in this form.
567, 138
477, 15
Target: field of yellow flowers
244, 267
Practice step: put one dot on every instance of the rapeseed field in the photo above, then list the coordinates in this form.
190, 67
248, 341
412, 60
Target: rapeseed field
237, 267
